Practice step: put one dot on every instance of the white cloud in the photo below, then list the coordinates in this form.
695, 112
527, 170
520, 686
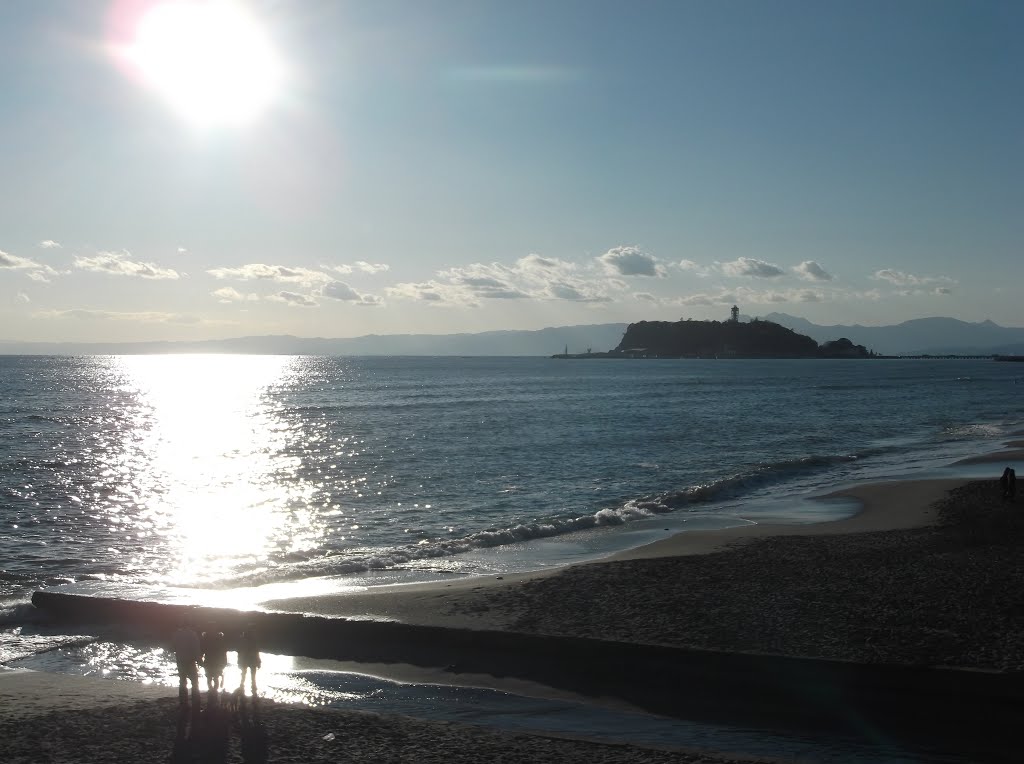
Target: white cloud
35, 271
549, 278
339, 290
704, 298
118, 264
532, 277
535, 262
366, 267
293, 298
182, 250
644, 297
361, 266
918, 291
872, 295
895, 277
16, 263
694, 267
809, 270
770, 296
491, 282
49, 244
22, 297
230, 294
262, 272
83, 314
748, 266
746, 296
809, 295
631, 261
560, 279
899, 278
562, 291
434, 293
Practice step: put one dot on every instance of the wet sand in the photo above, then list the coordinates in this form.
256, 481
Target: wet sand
60, 719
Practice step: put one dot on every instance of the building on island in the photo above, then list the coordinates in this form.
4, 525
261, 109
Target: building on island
735, 314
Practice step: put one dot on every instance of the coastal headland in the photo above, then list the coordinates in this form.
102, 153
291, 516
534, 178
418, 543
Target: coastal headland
722, 339
902, 623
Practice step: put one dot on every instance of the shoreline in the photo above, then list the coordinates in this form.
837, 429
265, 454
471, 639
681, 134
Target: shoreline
888, 505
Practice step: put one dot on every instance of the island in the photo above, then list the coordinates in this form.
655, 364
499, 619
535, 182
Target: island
722, 339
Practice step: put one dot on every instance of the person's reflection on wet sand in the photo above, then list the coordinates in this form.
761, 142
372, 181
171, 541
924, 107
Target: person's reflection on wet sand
182, 751
204, 737
254, 735
214, 733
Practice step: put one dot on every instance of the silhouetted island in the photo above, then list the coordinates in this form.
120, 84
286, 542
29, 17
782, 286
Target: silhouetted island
722, 339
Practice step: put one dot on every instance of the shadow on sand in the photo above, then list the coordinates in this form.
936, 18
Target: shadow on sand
205, 736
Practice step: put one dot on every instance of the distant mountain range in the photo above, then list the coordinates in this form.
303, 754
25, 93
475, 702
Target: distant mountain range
923, 336
539, 342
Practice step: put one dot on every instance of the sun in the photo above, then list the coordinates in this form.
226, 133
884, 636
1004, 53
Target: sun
211, 61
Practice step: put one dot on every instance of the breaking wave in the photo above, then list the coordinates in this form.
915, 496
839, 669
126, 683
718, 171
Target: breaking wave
757, 477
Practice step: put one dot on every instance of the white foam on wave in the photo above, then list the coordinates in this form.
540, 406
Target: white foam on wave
756, 477
17, 644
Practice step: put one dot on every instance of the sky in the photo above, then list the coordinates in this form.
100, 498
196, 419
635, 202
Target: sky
188, 170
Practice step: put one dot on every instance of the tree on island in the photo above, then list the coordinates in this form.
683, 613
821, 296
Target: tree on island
844, 348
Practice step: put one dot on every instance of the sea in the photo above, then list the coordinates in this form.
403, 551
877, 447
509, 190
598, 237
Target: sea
240, 479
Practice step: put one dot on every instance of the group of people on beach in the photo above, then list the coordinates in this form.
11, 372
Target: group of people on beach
210, 651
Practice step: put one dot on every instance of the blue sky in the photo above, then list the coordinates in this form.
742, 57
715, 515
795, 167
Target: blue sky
472, 165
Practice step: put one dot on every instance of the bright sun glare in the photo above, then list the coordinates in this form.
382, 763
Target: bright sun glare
211, 61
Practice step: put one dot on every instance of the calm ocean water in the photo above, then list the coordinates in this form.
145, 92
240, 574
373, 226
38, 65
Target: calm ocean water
185, 477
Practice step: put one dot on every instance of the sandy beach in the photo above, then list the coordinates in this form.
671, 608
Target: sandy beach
926, 574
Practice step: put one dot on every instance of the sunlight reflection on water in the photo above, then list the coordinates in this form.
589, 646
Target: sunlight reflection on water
217, 486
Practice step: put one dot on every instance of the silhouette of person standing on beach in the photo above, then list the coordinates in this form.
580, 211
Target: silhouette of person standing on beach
1009, 483
215, 659
249, 659
185, 643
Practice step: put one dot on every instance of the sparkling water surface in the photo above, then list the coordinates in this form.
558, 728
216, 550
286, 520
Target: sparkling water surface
228, 471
